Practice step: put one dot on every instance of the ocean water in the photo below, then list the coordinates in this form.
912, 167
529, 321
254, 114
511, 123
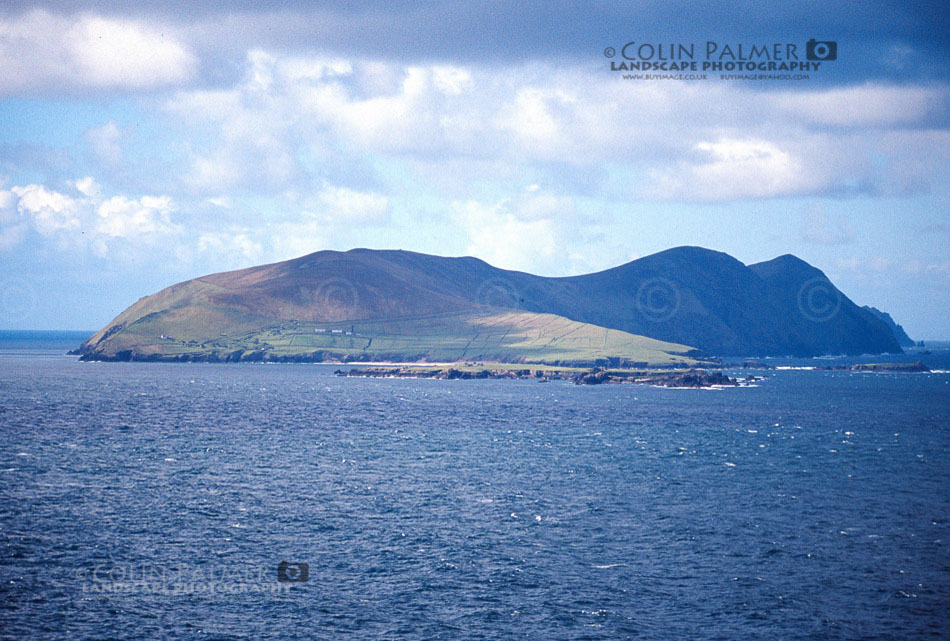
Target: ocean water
156, 501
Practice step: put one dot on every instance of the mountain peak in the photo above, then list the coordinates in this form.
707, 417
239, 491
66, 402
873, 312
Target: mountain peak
693, 252
788, 267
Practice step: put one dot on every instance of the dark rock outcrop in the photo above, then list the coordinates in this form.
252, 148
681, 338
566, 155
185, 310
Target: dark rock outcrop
689, 378
902, 338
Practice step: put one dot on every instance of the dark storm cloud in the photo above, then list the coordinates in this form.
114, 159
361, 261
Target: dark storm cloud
894, 41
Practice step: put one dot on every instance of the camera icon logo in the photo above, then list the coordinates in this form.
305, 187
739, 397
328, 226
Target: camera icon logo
292, 572
821, 50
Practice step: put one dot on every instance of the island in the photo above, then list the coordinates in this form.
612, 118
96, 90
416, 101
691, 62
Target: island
683, 307
694, 378
915, 366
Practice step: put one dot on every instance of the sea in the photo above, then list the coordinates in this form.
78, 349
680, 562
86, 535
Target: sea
279, 501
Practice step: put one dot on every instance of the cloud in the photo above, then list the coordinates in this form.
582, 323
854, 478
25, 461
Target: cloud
870, 105
41, 52
732, 169
411, 119
290, 239
50, 211
237, 246
282, 128
451, 80
254, 127
349, 206
83, 218
87, 187
7, 203
295, 120
499, 237
12, 227
525, 232
120, 217
876, 37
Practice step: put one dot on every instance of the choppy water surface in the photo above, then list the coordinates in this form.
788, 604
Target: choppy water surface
143, 501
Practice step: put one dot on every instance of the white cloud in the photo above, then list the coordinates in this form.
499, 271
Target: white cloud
528, 232
121, 53
294, 130
533, 119
718, 142
731, 169
395, 121
120, 217
12, 227
7, 206
452, 80
349, 206
539, 205
500, 238
40, 51
225, 246
298, 68
215, 173
50, 211
87, 187
869, 105
220, 201
299, 238
84, 218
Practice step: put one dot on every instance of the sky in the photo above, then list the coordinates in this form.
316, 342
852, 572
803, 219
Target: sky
146, 143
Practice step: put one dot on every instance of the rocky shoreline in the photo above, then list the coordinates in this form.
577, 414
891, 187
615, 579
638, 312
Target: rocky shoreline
914, 366
692, 378
695, 378
336, 358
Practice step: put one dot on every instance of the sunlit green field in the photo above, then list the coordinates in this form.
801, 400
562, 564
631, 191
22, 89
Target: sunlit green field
507, 337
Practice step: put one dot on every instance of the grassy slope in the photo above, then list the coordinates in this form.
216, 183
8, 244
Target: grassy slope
686, 295
489, 334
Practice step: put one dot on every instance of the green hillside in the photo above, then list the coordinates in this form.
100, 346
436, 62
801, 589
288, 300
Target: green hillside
406, 306
488, 335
